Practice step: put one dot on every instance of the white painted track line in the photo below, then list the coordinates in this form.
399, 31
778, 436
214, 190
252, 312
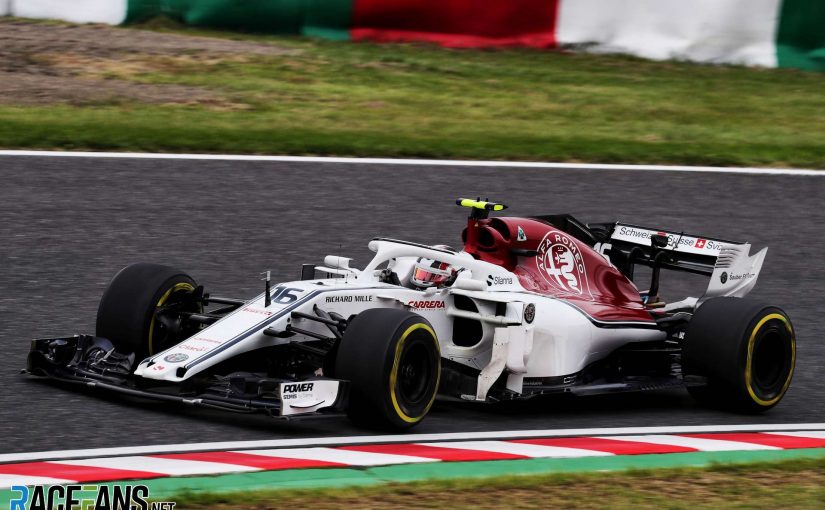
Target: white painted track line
8, 481
400, 438
170, 467
419, 162
703, 445
818, 434
527, 450
349, 457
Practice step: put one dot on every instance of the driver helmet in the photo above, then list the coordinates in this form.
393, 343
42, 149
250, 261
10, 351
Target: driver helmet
432, 273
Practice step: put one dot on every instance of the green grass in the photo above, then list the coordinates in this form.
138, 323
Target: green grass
797, 484
357, 99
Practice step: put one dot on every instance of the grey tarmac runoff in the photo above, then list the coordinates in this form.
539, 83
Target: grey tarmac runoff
68, 224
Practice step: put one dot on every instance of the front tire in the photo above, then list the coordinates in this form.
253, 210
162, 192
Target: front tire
746, 351
127, 311
393, 362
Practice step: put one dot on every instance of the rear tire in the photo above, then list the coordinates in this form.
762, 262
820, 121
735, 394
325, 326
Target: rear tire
393, 362
126, 314
746, 351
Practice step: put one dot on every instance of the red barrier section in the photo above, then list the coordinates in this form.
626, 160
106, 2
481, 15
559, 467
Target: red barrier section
457, 23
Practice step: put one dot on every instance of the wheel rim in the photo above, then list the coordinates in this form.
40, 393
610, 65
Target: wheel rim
415, 373
161, 336
766, 372
771, 359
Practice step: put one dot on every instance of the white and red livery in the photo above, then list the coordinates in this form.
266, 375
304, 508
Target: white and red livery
536, 306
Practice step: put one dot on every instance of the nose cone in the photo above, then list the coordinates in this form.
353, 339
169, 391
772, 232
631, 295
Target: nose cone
163, 369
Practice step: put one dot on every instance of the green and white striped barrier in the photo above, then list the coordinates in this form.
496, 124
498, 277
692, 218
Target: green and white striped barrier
769, 33
112, 12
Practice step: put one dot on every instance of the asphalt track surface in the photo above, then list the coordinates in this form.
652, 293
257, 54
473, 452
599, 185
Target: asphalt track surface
68, 225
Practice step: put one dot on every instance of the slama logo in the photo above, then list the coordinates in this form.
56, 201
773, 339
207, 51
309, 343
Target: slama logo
560, 262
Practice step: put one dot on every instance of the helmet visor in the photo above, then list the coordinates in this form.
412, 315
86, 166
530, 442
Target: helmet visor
426, 276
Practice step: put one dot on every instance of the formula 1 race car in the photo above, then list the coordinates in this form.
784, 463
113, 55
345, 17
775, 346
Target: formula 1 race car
529, 306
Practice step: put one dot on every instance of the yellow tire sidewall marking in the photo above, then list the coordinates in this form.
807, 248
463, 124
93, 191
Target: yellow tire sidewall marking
175, 288
749, 362
399, 348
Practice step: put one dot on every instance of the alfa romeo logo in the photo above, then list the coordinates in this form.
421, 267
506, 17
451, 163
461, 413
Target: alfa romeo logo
176, 357
560, 262
529, 313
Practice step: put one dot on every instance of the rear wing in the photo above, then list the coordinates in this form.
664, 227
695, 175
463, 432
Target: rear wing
686, 252
731, 268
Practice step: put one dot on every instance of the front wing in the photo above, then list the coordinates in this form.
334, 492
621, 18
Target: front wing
92, 362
